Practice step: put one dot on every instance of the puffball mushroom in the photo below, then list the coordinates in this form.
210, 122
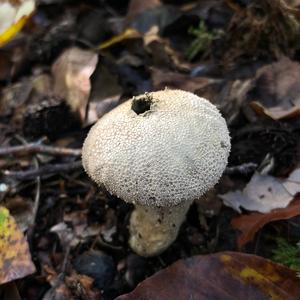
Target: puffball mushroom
159, 151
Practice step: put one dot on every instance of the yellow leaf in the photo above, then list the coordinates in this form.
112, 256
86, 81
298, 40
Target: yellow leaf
15, 260
11, 31
13, 16
129, 33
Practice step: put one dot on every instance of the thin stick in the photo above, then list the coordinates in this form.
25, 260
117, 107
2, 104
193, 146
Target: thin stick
33, 148
37, 194
44, 171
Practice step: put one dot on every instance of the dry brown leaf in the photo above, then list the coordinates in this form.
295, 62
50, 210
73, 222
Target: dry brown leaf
72, 72
276, 90
162, 79
136, 7
15, 260
225, 275
162, 53
250, 224
275, 113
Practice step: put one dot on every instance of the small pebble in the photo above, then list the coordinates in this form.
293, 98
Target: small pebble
98, 266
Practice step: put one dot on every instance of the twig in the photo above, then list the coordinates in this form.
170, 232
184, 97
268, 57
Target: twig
37, 194
243, 169
36, 205
38, 148
44, 171
65, 261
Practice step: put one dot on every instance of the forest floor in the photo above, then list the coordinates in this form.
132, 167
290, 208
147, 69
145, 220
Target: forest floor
73, 62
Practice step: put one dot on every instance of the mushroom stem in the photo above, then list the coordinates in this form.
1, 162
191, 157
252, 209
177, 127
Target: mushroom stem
153, 229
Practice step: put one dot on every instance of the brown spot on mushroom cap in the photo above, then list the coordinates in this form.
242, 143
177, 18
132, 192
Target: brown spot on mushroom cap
175, 151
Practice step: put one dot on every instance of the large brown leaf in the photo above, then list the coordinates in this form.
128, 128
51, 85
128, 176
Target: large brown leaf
221, 276
250, 224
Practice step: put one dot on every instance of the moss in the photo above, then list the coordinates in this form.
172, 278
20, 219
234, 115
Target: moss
288, 254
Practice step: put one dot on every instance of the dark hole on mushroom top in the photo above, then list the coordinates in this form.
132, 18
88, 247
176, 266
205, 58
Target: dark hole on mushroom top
141, 105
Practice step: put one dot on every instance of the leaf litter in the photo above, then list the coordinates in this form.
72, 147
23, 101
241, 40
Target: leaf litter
73, 62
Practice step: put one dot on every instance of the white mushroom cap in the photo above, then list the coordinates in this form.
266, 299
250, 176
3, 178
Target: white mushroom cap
158, 149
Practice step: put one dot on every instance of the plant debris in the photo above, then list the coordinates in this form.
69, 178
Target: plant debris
65, 64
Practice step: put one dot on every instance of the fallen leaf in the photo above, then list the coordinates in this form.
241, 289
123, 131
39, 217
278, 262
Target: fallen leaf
157, 15
162, 79
276, 91
293, 182
15, 260
72, 72
250, 224
129, 33
97, 109
13, 16
18, 99
264, 193
137, 7
81, 229
162, 53
225, 275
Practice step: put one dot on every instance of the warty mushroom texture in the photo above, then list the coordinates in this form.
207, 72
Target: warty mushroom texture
159, 151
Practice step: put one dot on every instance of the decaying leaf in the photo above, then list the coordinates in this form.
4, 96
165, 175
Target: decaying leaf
72, 72
137, 7
250, 224
162, 79
15, 260
276, 92
162, 53
264, 193
225, 275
